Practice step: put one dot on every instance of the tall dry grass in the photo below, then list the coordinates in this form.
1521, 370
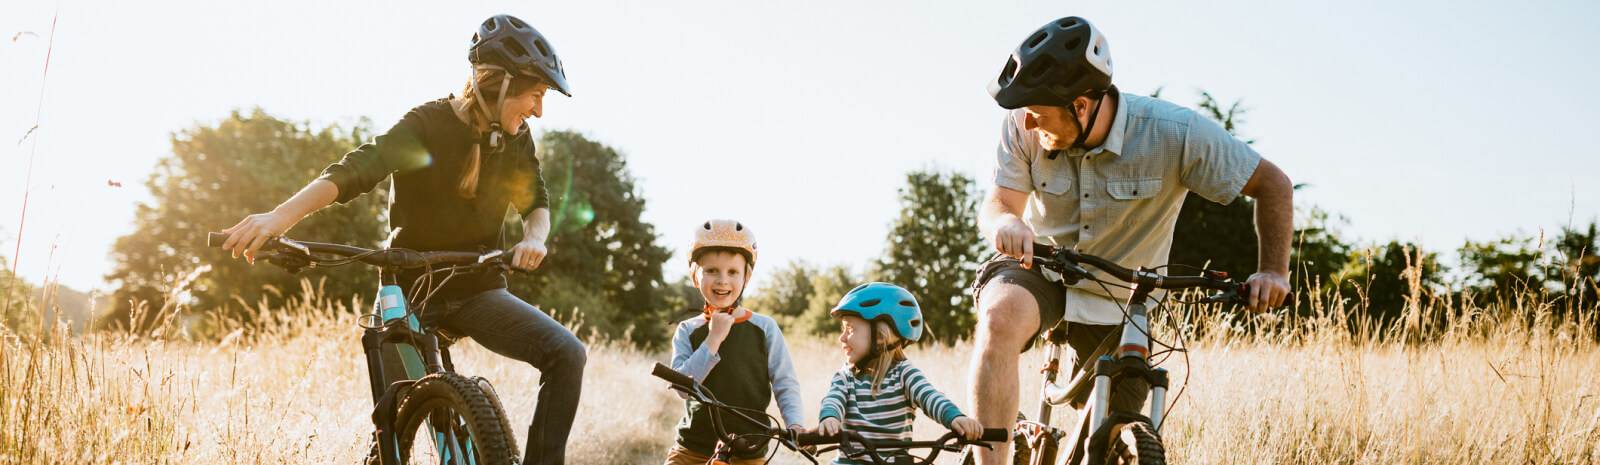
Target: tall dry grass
1504, 384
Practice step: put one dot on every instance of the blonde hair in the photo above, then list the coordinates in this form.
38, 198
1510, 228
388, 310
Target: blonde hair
489, 81
891, 349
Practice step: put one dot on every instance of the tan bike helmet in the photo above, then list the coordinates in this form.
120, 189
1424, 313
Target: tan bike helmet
728, 235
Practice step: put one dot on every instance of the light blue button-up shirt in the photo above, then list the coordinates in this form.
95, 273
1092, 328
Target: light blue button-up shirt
1120, 200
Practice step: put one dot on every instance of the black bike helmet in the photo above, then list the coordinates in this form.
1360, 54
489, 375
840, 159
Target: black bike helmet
1064, 59
510, 43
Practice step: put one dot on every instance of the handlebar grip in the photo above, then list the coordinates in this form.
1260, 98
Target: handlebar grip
815, 439
1244, 291
216, 239
671, 375
996, 435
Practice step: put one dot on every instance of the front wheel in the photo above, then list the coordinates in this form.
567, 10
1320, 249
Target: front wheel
447, 419
1135, 443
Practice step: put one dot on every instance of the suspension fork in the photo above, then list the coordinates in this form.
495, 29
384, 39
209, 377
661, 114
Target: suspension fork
1134, 350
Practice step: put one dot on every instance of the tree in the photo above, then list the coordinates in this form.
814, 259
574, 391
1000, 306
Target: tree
934, 249
1501, 268
1386, 277
1318, 256
217, 175
604, 268
787, 294
828, 288
21, 311
1580, 266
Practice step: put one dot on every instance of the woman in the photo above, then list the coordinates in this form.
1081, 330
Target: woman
457, 163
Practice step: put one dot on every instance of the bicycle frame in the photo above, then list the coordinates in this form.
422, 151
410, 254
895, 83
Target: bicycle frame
1132, 359
400, 342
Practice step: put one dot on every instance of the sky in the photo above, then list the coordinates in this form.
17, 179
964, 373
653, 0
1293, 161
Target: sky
1429, 121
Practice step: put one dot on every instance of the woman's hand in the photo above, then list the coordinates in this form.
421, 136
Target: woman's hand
967, 427
828, 427
254, 231
528, 254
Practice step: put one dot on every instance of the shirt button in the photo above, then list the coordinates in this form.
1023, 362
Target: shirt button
1086, 195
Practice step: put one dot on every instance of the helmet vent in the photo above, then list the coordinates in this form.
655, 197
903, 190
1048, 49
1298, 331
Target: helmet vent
1041, 68
1074, 43
738, 226
871, 303
916, 323
907, 303
490, 25
512, 47
517, 23
1067, 22
543, 50
707, 226
1037, 39
1009, 73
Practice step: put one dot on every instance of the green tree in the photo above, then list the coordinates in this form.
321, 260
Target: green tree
604, 267
1386, 276
21, 311
934, 249
1501, 269
1319, 254
1579, 268
828, 286
217, 175
787, 294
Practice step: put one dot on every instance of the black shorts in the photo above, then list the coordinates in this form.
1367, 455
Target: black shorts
1050, 295
1082, 339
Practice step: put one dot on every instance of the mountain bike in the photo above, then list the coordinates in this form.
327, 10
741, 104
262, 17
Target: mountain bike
423, 411
848, 443
1102, 436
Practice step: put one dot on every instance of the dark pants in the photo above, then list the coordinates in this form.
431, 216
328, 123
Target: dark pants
1129, 395
508, 326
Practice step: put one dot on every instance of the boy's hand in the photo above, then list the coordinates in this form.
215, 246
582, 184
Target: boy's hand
720, 323
828, 427
967, 427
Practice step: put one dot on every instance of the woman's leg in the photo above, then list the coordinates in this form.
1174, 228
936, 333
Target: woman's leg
508, 326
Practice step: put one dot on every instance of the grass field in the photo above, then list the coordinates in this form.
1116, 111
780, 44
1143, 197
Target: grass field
1497, 385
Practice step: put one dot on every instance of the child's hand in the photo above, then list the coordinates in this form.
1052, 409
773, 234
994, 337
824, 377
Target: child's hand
720, 323
967, 427
828, 427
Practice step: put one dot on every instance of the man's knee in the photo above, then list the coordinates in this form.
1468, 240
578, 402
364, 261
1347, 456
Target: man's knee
1007, 314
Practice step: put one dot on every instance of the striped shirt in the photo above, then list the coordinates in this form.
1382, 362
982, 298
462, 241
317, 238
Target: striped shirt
887, 415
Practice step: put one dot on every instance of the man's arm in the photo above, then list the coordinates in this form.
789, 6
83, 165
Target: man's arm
1274, 195
1000, 221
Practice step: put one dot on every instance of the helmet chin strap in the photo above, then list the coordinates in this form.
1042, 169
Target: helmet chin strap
1083, 131
496, 133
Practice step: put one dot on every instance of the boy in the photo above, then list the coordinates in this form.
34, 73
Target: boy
738, 355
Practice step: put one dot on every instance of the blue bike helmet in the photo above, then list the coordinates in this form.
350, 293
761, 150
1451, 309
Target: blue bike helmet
883, 302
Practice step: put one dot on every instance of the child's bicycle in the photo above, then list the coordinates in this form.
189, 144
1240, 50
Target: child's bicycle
848, 443
1104, 437
424, 412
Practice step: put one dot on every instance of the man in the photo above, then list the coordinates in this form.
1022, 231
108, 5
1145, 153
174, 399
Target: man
1081, 165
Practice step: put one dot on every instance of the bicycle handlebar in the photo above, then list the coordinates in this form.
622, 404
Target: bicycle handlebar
950, 441
1066, 261
275, 253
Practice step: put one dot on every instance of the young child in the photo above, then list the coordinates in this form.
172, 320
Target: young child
877, 391
738, 355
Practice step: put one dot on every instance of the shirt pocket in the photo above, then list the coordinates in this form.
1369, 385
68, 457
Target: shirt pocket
1133, 188
1051, 179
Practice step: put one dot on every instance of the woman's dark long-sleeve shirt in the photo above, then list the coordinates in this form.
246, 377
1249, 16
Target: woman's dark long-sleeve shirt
425, 153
